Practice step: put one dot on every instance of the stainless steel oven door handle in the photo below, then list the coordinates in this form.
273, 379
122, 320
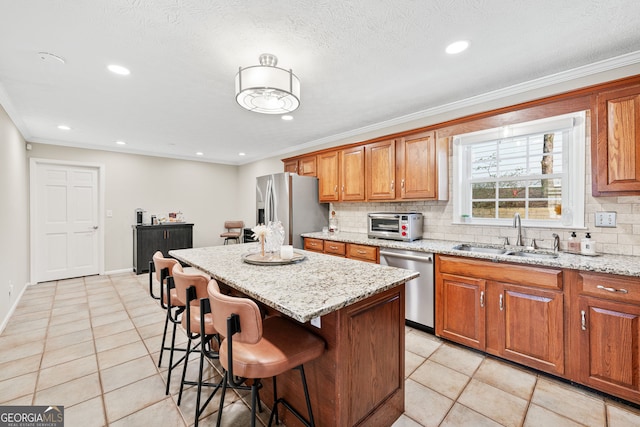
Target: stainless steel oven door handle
409, 257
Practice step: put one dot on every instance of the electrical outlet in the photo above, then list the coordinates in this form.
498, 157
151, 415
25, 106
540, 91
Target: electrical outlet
605, 219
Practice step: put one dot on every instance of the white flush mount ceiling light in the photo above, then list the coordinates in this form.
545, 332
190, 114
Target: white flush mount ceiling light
119, 69
457, 47
266, 88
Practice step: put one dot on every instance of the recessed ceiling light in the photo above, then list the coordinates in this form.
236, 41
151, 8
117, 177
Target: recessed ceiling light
457, 47
199, 153
121, 143
287, 117
64, 127
119, 69
241, 154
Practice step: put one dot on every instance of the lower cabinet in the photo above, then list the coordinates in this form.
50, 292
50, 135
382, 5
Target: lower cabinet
147, 239
512, 311
605, 327
526, 326
349, 250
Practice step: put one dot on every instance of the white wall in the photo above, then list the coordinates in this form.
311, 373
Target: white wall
206, 193
14, 215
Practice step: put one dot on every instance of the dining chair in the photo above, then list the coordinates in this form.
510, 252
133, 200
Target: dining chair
231, 233
255, 349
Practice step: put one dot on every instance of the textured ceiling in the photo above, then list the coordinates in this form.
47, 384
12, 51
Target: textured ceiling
360, 63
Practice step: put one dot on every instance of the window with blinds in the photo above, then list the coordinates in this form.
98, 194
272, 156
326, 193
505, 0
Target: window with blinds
535, 169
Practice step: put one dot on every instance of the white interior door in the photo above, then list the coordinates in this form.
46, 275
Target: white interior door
66, 231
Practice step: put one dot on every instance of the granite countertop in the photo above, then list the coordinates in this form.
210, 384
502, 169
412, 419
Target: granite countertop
603, 263
318, 285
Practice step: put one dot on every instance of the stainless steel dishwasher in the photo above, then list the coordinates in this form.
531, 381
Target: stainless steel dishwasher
419, 292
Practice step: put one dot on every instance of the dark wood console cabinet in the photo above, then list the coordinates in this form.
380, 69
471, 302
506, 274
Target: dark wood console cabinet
147, 239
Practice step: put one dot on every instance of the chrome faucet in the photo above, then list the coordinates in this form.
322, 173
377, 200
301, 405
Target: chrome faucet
517, 223
556, 242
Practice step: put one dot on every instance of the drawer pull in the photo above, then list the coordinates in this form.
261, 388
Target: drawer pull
583, 320
622, 291
361, 252
333, 247
482, 299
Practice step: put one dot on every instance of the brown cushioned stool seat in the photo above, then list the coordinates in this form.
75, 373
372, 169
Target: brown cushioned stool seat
254, 349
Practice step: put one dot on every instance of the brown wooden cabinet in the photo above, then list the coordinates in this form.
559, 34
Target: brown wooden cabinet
305, 166
419, 174
352, 174
460, 310
605, 333
349, 250
335, 248
363, 252
341, 175
316, 245
616, 142
528, 325
381, 170
512, 311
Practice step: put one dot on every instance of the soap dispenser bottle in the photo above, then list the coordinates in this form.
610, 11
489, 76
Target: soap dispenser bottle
587, 245
573, 244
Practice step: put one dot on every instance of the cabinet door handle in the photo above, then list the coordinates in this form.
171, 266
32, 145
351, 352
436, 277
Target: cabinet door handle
583, 320
343, 189
622, 291
402, 184
481, 298
336, 189
501, 302
393, 183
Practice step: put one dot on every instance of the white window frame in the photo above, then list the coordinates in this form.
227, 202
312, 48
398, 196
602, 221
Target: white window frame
573, 167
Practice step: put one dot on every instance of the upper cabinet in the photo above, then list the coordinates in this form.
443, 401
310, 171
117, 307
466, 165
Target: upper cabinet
616, 143
381, 170
418, 172
305, 166
341, 175
412, 167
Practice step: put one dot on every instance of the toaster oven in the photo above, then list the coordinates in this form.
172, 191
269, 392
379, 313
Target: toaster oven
406, 227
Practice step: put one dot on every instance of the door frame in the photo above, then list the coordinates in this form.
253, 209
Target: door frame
34, 164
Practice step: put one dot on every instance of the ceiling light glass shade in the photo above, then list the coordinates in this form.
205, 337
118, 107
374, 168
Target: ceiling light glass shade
266, 88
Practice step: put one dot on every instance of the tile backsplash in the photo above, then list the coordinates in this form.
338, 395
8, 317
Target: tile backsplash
624, 239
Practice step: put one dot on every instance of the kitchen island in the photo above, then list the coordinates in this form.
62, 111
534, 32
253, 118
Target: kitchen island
358, 308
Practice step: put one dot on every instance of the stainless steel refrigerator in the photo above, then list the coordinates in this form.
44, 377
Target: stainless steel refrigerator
292, 200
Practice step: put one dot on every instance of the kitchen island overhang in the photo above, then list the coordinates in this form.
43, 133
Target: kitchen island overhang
360, 377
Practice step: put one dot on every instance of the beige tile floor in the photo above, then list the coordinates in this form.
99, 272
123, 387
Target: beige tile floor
92, 345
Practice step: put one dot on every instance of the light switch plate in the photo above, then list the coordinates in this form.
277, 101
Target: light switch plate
605, 219
109, 213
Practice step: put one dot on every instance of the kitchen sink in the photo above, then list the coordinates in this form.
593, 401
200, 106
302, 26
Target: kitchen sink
538, 255
503, 251
480, 249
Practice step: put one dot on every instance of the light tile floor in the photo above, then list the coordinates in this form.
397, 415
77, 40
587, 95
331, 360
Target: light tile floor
92, 345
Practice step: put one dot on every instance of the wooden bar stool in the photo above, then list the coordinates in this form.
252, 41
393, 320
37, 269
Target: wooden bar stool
256, 349
198, 325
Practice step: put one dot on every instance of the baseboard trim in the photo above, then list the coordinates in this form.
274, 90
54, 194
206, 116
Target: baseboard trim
5, 321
